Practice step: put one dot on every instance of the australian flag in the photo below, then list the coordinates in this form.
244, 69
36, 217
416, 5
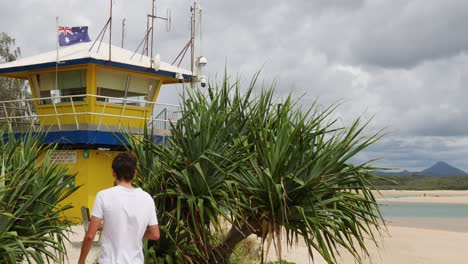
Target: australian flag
73, 35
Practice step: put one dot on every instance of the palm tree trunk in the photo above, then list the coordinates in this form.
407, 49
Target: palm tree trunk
235, 235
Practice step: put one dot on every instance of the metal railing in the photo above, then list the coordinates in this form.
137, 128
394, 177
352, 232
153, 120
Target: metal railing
21, 114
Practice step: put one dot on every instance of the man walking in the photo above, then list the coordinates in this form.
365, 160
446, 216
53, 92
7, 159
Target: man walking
128, 213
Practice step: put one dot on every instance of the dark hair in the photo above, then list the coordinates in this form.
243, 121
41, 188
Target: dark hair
124, 166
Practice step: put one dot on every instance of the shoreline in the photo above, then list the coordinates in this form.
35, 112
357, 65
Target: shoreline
432, 196
457, 225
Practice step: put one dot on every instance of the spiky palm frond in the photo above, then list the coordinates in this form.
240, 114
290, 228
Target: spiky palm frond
31, 190
263, 165
302, 179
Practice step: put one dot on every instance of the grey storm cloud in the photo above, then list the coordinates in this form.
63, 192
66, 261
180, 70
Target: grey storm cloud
399, 152
405, 33
402, 63
429, 100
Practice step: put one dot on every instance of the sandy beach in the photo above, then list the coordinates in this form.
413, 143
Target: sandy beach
74, 246
442, 196
402, 245
408, 241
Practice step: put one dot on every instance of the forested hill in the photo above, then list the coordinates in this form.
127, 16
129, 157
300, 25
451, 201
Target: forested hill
418, 182
442, 169
439, 169
440, 176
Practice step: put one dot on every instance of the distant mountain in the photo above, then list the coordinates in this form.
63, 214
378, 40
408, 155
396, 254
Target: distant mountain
442, 169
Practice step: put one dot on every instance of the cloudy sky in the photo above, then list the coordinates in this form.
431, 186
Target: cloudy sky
404, 62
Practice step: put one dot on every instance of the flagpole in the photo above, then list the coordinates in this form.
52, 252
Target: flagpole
152, 31
110, 31
57, 47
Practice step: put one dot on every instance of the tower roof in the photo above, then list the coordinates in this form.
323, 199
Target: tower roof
84, 53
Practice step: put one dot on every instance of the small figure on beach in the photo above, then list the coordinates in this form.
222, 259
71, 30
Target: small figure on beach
128, 213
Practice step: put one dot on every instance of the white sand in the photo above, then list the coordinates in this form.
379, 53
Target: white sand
74, 246
452, 197
403, 246
410, 241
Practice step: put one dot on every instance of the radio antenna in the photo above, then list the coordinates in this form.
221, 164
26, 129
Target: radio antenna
153, 16
199, 62
103, 32
123, 32
147, 42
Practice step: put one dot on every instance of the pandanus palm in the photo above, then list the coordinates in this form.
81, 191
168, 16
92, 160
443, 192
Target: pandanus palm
301, 179
188, 176
31, 190
262, 165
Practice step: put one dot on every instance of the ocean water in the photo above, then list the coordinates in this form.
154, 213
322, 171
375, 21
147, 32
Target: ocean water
423, 210
446, 217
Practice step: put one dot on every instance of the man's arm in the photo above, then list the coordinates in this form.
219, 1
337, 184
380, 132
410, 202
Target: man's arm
88, 240
152, 232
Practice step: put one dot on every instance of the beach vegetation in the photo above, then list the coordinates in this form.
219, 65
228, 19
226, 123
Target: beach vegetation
242, 162
32, 188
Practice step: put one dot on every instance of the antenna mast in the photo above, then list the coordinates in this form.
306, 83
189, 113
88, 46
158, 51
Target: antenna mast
201, 60
146, 40
123, 32
103, 33
192, 38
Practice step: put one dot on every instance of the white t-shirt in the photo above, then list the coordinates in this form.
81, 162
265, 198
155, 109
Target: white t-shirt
126, 214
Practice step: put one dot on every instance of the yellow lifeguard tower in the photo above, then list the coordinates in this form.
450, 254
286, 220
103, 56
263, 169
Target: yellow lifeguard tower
84, 100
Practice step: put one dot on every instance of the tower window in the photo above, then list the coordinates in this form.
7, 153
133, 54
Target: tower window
62, 86
120, 88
